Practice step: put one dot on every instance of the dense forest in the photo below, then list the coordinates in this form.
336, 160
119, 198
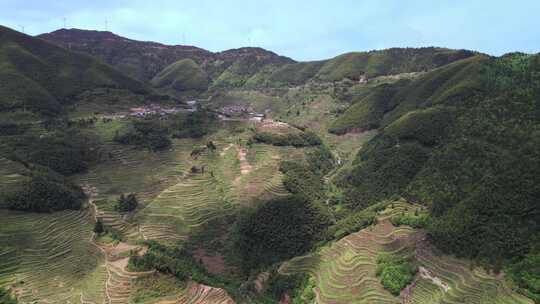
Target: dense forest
462, 139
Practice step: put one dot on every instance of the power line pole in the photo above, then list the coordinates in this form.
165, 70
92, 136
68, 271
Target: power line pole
106, 25
64, 22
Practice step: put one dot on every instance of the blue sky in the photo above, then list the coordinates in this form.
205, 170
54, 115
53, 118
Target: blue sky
303, 30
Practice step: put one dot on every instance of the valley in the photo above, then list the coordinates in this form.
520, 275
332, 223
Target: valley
150, 173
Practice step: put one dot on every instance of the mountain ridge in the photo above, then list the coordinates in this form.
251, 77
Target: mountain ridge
249, 66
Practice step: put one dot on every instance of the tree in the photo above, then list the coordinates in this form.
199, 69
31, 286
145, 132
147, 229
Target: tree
211, 146
98, 227
126, 203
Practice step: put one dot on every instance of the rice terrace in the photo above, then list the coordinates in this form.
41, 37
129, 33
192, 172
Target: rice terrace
212, 168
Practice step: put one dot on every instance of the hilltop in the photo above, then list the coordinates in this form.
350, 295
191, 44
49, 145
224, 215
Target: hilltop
144, 60
250, 67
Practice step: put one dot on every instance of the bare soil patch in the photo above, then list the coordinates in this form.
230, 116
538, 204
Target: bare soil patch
213, 263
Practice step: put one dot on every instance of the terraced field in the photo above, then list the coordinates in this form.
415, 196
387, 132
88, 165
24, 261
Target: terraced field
130, 170
344, 272
50, 258
230, 175
202, 294
10, 173
262, 179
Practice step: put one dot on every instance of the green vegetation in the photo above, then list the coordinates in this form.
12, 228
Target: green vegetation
43, 78
155, 286
183, 75
367, 112
417, 220
387, 62
65, 151
126, 203
447, 143
234, 206
526, 275
146, 133
41, 250
194, 124
44, 191
395, 272
6, 298
277, 230
306, 177
98, 227
177, 261
344, 271
294, 74
300, 139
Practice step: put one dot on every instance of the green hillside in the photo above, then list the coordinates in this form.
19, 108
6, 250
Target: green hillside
41, 77
386, 62
183, 75
463, 140
405, 175
357, 66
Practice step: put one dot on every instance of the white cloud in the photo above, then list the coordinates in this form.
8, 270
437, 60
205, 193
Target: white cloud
300, 29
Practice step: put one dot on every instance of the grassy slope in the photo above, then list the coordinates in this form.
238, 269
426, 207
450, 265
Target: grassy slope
183, 75
50, 257
355, 65
42, 77
387, 62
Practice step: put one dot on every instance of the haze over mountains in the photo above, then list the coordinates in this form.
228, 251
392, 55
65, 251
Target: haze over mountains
137, 172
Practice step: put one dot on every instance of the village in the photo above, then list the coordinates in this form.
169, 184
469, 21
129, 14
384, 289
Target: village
156, 109
238, 112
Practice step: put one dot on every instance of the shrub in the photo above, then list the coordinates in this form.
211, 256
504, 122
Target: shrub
415, 221
525, 273
176, 260
306, 178
193, 125
65, 152
395, 272
45, 192
303, 139
98, 227
277, 230
126, 203
146, 133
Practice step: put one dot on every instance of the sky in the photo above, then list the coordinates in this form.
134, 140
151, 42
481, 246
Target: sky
303, 30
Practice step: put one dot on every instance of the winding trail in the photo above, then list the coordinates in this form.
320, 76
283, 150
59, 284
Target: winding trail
114, 264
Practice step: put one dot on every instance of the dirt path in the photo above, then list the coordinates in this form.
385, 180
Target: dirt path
112, 253
222, 153
245, 167
426, 274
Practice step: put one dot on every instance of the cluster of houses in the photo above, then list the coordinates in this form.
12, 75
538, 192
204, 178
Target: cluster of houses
153, 109
242, 112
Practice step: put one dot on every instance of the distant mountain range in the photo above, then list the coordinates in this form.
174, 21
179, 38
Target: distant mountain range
243, 67
144, 60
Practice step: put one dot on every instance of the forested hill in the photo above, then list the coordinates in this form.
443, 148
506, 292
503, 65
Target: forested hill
464, 140
41, 77
144, 60
249, 66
